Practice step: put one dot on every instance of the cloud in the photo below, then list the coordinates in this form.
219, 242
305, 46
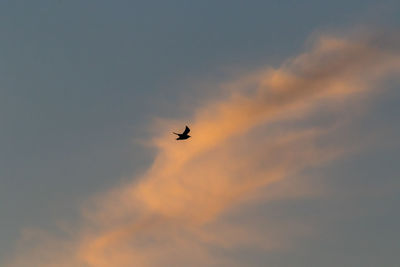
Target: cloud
273, 124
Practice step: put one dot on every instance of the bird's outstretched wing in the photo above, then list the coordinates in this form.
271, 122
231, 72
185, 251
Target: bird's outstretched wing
187, 130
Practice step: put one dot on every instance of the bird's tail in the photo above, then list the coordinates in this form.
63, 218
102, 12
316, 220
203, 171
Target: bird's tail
175, 133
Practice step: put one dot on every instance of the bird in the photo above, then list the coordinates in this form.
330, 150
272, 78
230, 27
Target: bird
184, 135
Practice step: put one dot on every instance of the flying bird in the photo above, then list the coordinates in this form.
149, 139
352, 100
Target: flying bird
183, 135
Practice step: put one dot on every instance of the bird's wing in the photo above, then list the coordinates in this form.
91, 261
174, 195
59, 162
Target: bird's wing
187, 130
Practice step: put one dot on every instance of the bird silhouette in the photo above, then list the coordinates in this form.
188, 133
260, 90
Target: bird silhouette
183, 135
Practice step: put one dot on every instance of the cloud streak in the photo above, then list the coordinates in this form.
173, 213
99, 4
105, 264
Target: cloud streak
273, 124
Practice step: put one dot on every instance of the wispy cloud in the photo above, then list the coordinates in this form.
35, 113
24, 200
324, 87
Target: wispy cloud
274, 123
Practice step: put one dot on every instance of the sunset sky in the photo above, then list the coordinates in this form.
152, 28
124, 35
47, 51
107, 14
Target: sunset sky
294, 109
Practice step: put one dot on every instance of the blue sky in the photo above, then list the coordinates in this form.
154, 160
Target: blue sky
82, 81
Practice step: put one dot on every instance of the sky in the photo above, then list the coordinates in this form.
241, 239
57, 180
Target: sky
293, 159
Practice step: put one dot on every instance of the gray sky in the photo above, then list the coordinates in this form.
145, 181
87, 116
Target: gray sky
82, 80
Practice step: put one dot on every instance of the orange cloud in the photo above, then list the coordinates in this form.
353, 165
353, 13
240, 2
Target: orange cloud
260, 134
